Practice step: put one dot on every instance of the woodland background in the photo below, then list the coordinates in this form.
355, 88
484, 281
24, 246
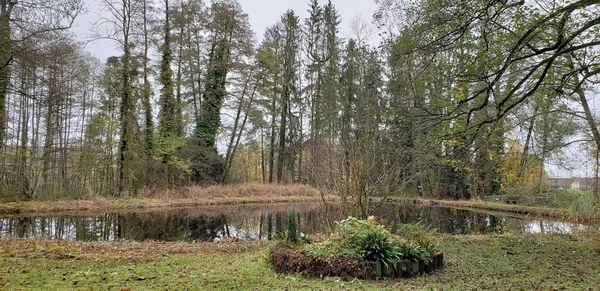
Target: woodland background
461, 99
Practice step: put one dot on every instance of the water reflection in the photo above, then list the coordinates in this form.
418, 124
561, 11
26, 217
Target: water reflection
256, 223
200, 224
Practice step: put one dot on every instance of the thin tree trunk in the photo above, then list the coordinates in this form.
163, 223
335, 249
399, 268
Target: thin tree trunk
242, 127
235, 126
23, 172
262, 154
125, 105
5, 60
272, 143
178, 98
149, 123
525, 154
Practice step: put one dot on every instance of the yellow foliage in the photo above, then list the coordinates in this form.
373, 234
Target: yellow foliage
531, 173
246, 165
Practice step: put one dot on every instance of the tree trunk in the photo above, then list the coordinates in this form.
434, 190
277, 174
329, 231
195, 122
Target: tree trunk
525, 154
272, 142
5, 60
178, 98
236, 120
124, 110
149, 123
242, 127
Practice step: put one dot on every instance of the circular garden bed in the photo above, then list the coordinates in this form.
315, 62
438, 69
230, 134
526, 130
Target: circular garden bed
291, 262
361, 249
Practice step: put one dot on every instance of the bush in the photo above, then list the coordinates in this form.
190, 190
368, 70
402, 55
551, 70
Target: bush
414, 251
420, 241
379, 246
415, 232
329, 249
368, 240
359, 249
292, 234
356, 238
565, 198
585, 207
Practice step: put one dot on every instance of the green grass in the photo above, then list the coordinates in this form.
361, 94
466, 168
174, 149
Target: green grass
532, 262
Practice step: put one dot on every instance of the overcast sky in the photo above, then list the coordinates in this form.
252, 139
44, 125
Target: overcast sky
262, 14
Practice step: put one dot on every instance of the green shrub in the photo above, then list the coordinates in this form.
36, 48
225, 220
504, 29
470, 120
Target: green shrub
420, 241
585, 207
379, 246
412, 250
366, 239
565, 198
280, 244
292, 228
415, 232
429, 247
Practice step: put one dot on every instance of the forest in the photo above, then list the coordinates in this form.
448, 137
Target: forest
459, 100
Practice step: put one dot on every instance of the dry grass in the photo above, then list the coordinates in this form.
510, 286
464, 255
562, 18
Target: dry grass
188, 197
118, 250
238, 190
237, 210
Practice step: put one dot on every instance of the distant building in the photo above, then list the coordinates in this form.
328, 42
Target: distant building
571, 183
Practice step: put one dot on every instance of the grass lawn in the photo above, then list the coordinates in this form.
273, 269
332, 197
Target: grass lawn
531, 262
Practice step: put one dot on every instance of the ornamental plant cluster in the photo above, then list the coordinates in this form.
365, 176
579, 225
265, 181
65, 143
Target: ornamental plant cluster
369, 240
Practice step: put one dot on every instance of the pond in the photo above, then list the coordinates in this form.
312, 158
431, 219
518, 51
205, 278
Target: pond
257, 222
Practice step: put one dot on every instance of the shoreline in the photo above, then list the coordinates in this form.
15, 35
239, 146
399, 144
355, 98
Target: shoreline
522, 210
172, 198
126, 204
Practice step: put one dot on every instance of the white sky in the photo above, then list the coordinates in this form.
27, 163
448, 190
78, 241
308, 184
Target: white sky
262, 14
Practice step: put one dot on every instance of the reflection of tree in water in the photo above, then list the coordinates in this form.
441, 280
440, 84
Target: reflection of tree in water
23, 225
166, 226
495, 224
208, 228
446, 220
178, 225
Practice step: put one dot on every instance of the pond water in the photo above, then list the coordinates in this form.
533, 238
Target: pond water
257, 222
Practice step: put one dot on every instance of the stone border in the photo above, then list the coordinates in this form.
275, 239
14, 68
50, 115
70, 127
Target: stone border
290, 262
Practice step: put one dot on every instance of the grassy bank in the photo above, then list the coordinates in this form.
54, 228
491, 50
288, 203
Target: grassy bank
186, 197
504, 262
518, 209
535, 211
